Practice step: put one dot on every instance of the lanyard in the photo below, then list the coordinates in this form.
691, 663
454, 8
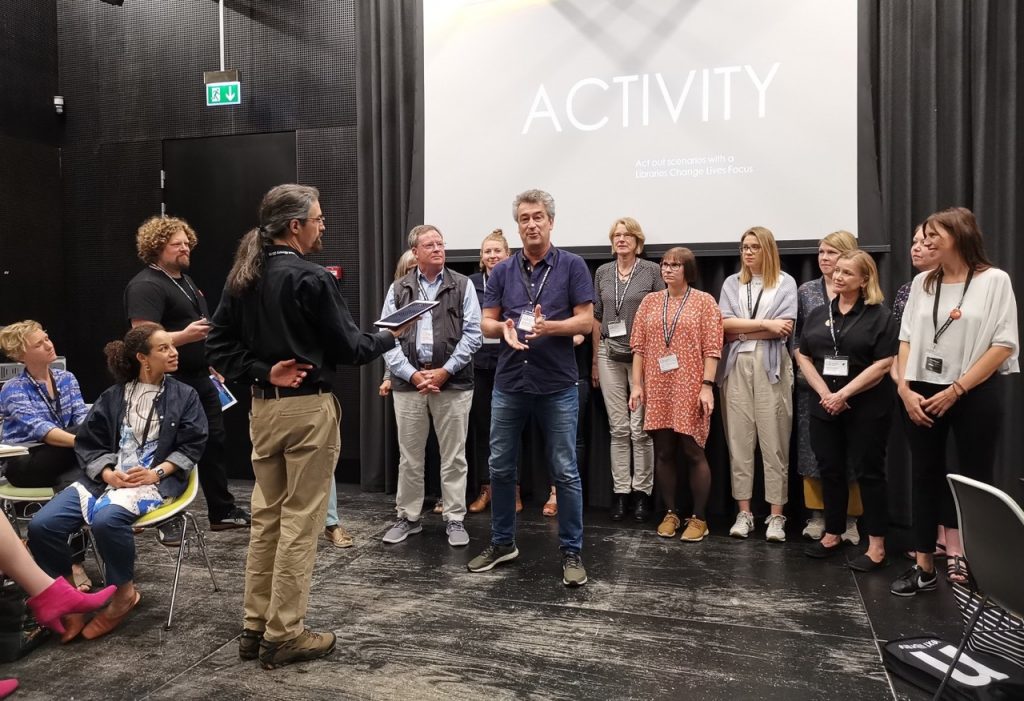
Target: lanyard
619, 300
152, 410
753, 309
271, 254
486, 278
955, 313
669, 333
53, 404
440, 279
194, 301
534, 300
838, 338
824, 290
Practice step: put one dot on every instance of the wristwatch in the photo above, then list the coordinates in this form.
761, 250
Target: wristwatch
160, 474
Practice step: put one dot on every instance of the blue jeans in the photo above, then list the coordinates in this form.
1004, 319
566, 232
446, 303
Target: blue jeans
558, 414
332, 506
49, 530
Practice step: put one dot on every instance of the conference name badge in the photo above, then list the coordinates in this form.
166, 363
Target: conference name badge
616, 329
668, 363
526, 321
933, 364
836, 366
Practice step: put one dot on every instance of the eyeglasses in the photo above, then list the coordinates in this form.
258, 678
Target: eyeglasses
436, 246
318, 220
671, 266
752, 248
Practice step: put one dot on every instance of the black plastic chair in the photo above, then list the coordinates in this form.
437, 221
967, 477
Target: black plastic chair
992, 531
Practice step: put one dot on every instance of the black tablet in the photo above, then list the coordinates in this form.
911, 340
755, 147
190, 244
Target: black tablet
406, 314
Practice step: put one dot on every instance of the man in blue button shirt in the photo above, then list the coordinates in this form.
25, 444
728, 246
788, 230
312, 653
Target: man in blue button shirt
432, 380
536, 301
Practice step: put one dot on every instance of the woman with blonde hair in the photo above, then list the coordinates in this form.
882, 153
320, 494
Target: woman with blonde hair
759, 306
619, 288
811, 295
846, 350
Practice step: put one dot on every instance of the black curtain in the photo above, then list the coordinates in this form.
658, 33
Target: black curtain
389, 96
944, 78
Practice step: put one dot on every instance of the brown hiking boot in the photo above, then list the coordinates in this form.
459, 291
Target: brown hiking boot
481, 501
249, 644
307, 646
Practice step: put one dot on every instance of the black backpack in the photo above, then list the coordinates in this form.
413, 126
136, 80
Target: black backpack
977, 677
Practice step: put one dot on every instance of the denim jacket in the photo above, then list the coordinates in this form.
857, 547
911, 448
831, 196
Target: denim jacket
183, 432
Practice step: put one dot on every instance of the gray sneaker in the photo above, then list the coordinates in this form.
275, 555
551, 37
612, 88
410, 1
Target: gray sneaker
308, 646
815, 526
851, 535
573, 572
457, 535
402, 530
776, 532
744, 525
491, 556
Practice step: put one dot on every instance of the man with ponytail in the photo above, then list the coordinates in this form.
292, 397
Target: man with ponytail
281, 326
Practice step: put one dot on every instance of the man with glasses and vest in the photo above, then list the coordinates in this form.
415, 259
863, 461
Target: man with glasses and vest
164, 294
432, 381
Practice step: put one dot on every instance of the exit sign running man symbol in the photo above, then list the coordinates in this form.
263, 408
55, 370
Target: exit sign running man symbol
218, 94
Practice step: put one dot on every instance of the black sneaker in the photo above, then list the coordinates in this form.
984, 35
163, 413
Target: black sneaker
169, 534
912, 581
236, 518
249, 644
491, 556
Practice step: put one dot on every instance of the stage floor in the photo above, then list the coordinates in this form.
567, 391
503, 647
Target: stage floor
659, 619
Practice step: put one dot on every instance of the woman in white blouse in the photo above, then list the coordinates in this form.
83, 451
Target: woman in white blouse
958, 333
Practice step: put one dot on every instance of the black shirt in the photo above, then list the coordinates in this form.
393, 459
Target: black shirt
295, 310
153, 295
865, 335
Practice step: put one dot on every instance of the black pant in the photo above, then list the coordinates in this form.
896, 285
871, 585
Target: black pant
853, 443
213, 473
44, 466
975, 421
479, 452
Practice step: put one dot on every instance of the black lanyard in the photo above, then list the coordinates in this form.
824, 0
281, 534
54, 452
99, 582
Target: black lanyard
619, 300
669, 333
152, 410
534, 300
52, 403
837, 338
753, 310
423, 291
193, 299
953, 315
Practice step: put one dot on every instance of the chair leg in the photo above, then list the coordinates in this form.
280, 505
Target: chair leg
91, 545
959, 650
201, 540
177, 568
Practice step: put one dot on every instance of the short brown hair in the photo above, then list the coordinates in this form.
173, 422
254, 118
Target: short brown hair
12, 337
632, 228
155, 232
680, 254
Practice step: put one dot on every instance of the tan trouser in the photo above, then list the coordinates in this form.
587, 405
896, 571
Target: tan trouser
755, 411
628, 438
449, 410
295, 447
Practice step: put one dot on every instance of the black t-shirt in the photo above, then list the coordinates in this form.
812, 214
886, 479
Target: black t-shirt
174, 303
865, 334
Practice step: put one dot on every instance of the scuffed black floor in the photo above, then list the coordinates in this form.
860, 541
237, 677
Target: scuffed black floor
659, 619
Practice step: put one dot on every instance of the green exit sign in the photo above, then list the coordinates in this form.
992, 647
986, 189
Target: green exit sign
218, 94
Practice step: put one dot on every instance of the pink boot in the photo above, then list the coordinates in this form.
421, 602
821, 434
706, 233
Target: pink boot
60, 599
7, 687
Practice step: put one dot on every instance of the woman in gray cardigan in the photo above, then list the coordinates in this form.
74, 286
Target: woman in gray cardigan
759, 307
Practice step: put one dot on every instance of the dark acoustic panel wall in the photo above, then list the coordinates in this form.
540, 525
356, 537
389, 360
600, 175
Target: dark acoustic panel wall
31, 266
132, 76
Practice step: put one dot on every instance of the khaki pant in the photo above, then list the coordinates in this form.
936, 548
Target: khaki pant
754, 412
628, 438
295, 447
449, 411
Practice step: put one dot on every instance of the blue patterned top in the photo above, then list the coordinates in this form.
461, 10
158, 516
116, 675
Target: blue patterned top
29, 413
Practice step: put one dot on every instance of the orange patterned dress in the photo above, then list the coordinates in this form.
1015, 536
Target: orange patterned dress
672, 397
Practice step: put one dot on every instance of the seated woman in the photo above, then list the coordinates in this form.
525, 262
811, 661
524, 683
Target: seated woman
41, 405
136, 447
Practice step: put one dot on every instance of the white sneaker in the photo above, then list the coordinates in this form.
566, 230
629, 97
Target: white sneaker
776, 532
851, 535
815, 526
744, 525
